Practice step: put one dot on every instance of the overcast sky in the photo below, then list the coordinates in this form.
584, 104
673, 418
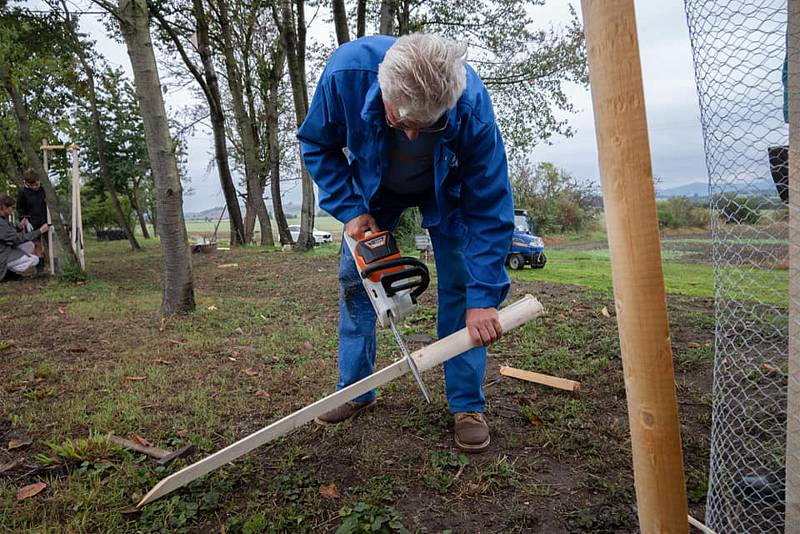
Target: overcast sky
672, 109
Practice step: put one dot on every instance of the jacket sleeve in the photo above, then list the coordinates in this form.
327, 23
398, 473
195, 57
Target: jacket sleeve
22, 206
322, 137
487, 208
12, 238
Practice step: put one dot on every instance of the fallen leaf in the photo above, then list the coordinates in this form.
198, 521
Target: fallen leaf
261, 394
198, 376
211, 308
307, 345
61, 311
579, 309
329, 491
536, 421
693, 345
231, 358
141, 441
176, 342
262, 316
134, 378
275, 359
11, 465
770, 369
30, 491
239, 330
604, 311
18, 443
251, 372
8, 345
163, 361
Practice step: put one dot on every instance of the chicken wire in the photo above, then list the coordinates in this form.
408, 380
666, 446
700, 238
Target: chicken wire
739, 52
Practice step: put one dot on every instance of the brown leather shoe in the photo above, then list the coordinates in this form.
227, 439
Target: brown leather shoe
471, 432
344, 412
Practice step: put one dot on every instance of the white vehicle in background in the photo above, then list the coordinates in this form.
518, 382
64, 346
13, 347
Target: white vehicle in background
319, 236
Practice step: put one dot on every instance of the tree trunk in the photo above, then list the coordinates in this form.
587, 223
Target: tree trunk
218, 128
32, 154
388, 10
294, 44
404, 19
361, 19
255, 193
139, 213
176, 256
99, 134
271, 103
340, 22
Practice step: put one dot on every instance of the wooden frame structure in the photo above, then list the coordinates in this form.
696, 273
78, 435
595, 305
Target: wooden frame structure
76, 235
615, 76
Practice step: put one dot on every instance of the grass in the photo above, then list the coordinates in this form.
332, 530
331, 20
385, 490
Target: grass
593, 270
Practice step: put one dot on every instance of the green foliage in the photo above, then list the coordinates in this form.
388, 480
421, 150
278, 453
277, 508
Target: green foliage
556, 201
408, 227
527, 69
681, 212
367, 518
739, 209
445, 467
71, 272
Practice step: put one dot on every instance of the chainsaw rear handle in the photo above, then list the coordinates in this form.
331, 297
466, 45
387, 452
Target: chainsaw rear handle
415, 269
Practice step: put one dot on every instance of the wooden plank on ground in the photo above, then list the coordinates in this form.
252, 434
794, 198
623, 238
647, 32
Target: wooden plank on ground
539, 378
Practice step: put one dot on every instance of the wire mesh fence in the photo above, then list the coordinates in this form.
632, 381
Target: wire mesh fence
740, 59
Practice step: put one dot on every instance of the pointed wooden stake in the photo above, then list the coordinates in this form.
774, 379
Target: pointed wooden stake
511, 317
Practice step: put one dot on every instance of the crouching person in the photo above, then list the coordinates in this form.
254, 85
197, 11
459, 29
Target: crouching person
16, 247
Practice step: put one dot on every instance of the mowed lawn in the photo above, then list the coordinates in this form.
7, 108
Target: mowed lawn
593, 269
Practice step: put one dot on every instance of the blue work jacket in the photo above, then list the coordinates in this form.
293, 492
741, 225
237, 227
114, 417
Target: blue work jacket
473, 200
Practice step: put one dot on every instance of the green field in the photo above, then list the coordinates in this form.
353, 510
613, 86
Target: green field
593, 269
326, 224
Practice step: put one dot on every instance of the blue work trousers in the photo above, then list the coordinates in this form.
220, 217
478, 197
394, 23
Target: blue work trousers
464, 373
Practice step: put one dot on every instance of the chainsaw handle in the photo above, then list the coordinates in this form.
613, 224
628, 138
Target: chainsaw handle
415, 268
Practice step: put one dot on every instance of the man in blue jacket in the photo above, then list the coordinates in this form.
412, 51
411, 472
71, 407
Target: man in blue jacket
398, 123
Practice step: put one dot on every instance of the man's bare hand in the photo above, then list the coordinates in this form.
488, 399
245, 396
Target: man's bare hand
357, 226
483, 325
44, 229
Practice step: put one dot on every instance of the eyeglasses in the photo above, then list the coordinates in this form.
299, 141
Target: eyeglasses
438, 126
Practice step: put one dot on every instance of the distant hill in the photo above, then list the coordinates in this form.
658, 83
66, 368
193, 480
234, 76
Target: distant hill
289, 209
700, 189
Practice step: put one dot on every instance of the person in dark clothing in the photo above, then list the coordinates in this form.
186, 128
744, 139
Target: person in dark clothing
32, 210
16, 249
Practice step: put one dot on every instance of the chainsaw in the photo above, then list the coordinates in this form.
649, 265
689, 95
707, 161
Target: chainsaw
393, 283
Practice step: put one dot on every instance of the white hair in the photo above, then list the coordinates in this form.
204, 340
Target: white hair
423, 75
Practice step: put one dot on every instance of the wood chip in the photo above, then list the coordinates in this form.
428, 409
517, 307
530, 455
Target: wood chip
605, 313
261, 394
30, 491
693, 345
163, 362
227, 265
251, 372
134, 378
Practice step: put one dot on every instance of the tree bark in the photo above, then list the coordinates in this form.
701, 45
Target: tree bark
255, 193
340, 21
176, 256
99, 134
209, 83
361, 19
294, 45
218, 128
271, 81
139, 213
32, 154
388, 10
